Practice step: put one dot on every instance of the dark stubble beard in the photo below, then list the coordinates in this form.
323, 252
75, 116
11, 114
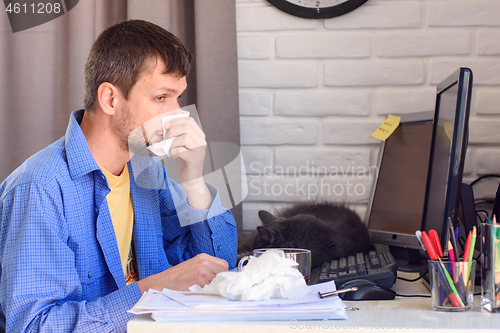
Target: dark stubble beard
132, 140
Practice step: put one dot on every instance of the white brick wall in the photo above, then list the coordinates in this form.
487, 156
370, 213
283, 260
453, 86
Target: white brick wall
373, 73
462, 13
303, 161
487, 101
255, 104
255, 47
278, 75
342, 132
400, 14
323, 46
312, 92
322, 103
414, 44
267, 131
484, 44
397, 101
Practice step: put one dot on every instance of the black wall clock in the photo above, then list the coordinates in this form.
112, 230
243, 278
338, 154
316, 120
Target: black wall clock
317, 9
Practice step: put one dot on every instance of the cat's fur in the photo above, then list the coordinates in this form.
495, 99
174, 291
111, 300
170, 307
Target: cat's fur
329, 230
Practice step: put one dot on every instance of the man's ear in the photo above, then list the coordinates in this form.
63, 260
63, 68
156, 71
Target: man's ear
107, 96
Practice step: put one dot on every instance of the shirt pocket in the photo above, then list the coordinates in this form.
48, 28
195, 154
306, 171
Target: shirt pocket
94, 267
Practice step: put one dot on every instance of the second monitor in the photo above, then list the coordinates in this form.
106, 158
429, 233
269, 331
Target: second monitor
420, 172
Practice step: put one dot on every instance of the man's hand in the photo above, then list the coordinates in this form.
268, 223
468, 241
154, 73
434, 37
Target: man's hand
199, 270
189, 149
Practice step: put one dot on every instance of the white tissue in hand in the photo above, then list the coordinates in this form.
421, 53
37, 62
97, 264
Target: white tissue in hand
269, 276
163, 147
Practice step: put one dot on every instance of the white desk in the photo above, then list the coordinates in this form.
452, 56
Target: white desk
402, 314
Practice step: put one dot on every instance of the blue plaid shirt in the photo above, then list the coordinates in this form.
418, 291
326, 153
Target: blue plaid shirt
60, 268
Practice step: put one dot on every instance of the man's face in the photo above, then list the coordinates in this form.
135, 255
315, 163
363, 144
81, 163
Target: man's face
154, 96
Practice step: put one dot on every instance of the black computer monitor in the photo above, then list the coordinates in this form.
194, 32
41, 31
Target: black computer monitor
417, 186
496, 206
449, 145
396, 208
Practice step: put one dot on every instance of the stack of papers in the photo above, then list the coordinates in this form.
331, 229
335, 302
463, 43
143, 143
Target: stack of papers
170, 305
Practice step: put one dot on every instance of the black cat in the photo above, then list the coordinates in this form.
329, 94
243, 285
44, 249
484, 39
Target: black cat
329, 230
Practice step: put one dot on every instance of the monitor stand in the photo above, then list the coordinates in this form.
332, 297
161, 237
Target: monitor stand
408, 260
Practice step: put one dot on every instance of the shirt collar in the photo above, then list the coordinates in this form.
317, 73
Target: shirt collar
80, 159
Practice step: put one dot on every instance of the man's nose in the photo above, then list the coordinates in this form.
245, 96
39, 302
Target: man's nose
176, 108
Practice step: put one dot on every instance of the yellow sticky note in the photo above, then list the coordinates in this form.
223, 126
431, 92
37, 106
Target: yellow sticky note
448, 129
387, 128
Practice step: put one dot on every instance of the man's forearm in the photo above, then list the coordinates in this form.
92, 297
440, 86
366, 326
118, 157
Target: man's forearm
106, 314
198, 194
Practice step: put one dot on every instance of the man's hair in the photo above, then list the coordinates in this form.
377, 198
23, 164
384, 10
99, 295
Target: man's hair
120, 53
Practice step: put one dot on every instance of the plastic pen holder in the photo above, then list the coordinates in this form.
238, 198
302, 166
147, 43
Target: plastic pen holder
452, 287
490, 268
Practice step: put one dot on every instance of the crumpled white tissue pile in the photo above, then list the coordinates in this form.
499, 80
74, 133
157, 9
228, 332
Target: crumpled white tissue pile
269, 276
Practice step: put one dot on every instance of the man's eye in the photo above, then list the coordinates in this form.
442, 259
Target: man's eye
160, 99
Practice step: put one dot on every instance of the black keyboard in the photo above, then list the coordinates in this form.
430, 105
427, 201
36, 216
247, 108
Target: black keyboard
378, 267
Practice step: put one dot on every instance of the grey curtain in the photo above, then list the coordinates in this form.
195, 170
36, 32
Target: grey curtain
41, 69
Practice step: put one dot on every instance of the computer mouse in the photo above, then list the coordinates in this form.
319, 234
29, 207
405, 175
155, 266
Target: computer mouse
367, 291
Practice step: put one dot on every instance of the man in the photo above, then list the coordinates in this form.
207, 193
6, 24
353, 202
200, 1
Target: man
83, 231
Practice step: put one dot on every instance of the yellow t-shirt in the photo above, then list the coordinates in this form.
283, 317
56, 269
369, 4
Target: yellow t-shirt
122, 215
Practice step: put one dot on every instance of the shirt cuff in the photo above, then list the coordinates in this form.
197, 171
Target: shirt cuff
197, 215
120, 301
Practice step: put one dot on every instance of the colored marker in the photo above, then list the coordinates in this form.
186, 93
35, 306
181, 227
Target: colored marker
466, 253
445, 281
454, 293
453, 239
429, 246
460, 288
435, 240
451, 254
418, 233
471, 252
